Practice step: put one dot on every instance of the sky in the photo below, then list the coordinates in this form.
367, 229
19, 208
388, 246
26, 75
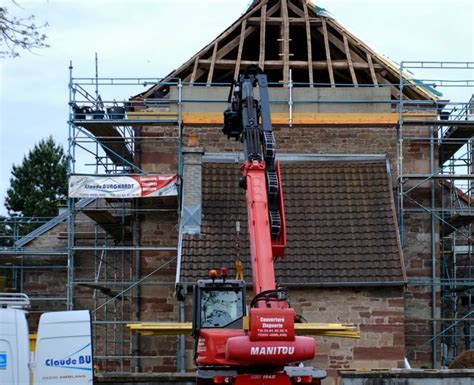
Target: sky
150, 38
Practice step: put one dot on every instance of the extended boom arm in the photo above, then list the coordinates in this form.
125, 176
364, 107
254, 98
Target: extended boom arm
249, 120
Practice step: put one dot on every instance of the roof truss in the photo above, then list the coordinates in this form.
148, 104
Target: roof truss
284, 35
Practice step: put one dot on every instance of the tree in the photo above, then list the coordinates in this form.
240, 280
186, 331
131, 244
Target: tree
39, 184
6, 232
19, 33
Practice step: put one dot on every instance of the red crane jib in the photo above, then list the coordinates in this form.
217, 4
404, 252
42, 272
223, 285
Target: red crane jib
262, 248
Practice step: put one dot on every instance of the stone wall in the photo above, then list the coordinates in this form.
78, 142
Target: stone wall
363, 140
379, 311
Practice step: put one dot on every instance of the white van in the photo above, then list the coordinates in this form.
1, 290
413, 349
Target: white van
63, 354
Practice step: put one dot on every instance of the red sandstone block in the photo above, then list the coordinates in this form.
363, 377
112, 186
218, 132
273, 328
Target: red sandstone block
396, 320
371, 328
385, 313
375, 353
396, 302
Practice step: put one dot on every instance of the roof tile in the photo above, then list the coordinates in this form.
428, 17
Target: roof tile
341, 227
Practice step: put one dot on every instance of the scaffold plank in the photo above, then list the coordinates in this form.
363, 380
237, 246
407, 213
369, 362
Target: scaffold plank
454, 138
113, 143
117, 226
457, 221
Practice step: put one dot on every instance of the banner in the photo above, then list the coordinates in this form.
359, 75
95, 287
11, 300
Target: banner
120, 186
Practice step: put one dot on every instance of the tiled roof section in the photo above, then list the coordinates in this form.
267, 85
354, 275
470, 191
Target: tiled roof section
341, 225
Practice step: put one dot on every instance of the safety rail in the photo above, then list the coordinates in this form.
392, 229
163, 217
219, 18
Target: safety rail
14, 300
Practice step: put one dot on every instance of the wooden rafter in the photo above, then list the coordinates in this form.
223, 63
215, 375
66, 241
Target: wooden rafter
241, 47
295, 9
273, 10
308, 44
195, 69
234, 43
395, 92
336, 42
213, 63
263, 30
372, 70
328, 54
267, 21
349, 61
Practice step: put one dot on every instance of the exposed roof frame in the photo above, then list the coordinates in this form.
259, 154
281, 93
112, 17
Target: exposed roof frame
279, 35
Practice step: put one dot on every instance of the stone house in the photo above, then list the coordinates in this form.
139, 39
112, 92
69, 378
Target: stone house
336, 125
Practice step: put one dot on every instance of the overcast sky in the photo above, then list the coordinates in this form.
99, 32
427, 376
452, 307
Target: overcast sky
150, 38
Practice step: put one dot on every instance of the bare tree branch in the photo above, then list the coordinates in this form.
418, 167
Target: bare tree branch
19, 33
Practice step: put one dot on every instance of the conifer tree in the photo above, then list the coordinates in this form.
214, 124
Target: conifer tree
39, 184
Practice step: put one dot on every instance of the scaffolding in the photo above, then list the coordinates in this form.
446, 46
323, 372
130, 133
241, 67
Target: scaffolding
442, 192
104, 240
100, 265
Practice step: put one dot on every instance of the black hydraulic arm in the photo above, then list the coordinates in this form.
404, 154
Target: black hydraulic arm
249, 120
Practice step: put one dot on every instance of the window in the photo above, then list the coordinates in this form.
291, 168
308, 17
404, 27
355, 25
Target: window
220, 307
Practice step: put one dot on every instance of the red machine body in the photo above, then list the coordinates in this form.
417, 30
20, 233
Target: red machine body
225, 353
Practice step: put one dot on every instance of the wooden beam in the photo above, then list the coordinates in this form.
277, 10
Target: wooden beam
328, 119
295, 9
395, 92
279, 20
340, 45
328, 53
234, 43
349, 61
201, 53
273, 9
296, 64
259, 6
308, 44
213, 63
195, 68
263, 30
372, 71
285, 33
241, 47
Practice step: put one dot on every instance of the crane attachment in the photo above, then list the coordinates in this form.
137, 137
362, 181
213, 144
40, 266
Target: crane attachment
262, 352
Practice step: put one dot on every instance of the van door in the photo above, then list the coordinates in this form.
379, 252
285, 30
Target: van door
64, 349
14, 347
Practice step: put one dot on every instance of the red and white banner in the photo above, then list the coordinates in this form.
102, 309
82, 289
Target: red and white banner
120, 186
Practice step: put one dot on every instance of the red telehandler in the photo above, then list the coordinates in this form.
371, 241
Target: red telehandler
261, 349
